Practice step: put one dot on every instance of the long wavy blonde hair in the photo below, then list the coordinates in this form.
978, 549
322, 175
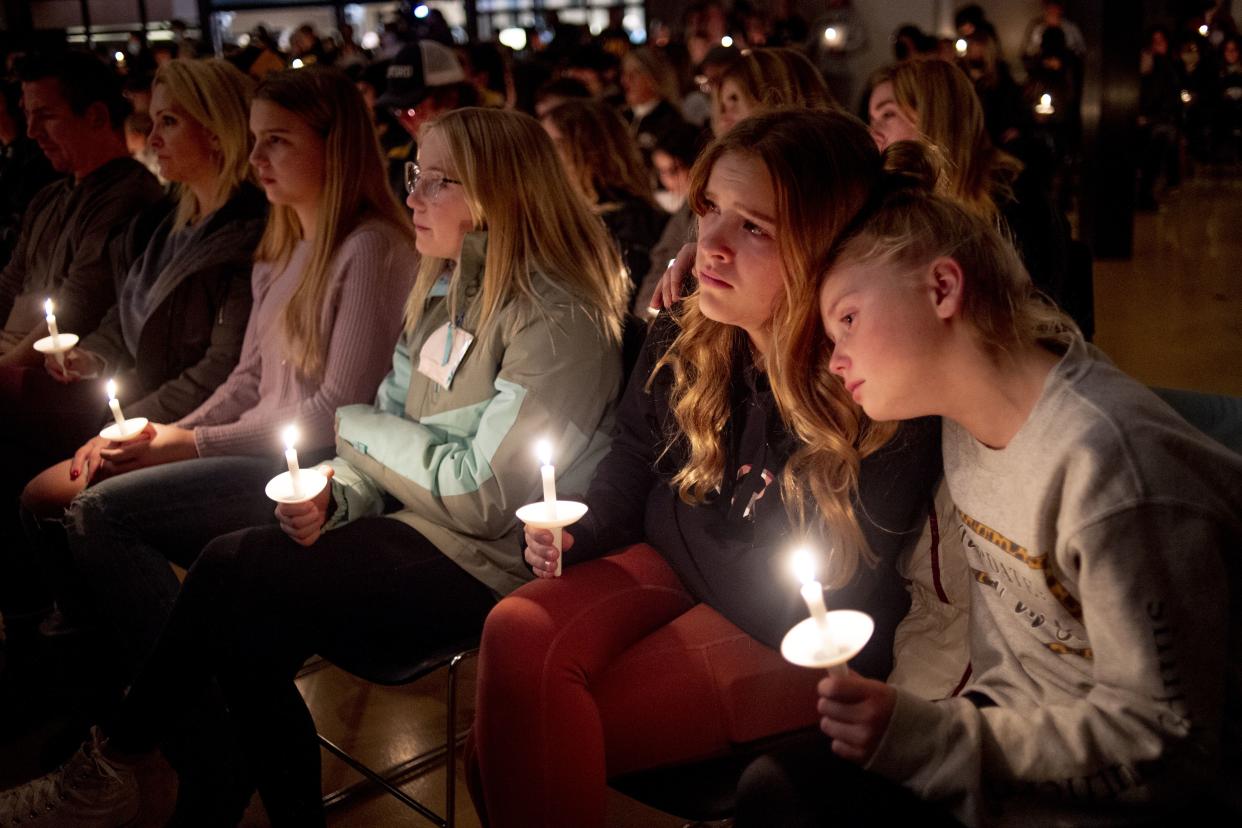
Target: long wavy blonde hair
216, 95
944, 106
536, 222
355, 188
822, 165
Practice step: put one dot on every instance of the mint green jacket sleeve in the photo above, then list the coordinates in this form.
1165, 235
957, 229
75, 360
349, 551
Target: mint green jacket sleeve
469, 465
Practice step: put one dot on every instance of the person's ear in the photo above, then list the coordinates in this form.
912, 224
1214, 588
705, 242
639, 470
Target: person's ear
946, 284
97, 115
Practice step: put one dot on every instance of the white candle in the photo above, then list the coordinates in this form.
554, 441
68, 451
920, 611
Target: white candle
51, 323
1044, 107
812, 590
543, 449
115, 405
291, 456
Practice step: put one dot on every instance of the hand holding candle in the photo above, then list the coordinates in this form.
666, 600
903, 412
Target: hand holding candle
297, 485
55, 343
826, 639
550, 513
124, 429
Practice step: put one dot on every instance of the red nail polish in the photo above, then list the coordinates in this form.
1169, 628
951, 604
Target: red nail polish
73, 474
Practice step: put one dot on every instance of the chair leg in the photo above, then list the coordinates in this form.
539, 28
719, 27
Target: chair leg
450, 739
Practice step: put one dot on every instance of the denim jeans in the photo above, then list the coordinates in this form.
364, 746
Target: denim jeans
124, 531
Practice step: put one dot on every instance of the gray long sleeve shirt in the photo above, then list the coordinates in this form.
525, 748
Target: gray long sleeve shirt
62, 251
1104, 546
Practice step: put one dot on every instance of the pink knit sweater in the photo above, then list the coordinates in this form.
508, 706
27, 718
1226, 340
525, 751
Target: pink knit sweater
370, 278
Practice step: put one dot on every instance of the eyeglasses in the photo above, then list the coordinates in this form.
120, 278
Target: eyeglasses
430, 185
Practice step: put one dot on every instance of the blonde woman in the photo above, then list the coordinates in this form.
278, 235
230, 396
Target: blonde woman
334, 267
934, 102
604, 163
512, 335
183, 275
663, 652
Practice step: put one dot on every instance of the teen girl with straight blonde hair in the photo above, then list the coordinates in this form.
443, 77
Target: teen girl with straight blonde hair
513, 335
1101, 530
318, 161
569, 667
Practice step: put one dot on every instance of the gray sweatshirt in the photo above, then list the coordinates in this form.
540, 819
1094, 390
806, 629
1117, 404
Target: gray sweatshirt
1103, 542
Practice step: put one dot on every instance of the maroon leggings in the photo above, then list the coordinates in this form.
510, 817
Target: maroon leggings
614, 668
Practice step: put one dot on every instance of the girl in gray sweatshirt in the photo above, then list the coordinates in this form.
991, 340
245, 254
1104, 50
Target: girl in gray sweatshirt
1102, 535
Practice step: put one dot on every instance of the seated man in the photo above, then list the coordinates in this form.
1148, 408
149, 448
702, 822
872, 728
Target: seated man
76, 114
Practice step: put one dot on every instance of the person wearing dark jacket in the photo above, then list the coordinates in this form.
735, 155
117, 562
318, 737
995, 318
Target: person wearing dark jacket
182, 270
24, 169
76, 114
657, 645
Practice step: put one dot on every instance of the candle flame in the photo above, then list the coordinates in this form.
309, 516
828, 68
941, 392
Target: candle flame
726, 41
830, 34
543, 450
1203, 30
1045, 99
112, 389
290, 436
804, 564
48, 306
961, 45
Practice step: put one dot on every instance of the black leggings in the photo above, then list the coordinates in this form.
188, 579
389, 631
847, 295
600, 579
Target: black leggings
256, 605
806, 785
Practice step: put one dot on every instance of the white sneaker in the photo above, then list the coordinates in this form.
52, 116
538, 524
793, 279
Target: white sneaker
88, 791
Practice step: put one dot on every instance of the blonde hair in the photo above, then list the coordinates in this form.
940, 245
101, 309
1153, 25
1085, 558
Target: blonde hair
517, 190
773, 78
949, 116
656, 66
216, 95
909, 227
600, 151
822, 165
355, 188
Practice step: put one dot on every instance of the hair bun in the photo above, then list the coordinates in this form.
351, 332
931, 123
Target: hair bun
911, 167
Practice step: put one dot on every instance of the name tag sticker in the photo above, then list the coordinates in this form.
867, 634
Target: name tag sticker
442, 353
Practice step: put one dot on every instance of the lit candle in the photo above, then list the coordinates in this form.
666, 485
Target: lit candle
1203, 30
1044, 107
51, 322
832, 36
543, 449
291, 456
115, 405
960, 46
726, 41
812, 592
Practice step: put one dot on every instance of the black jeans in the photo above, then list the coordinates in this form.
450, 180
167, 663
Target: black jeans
806, 785
256, 605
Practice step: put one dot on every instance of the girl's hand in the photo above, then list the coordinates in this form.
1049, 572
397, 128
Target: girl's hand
164, 444
668, 292
541, 554
855, 714
80, 364
92, 461
303, 522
